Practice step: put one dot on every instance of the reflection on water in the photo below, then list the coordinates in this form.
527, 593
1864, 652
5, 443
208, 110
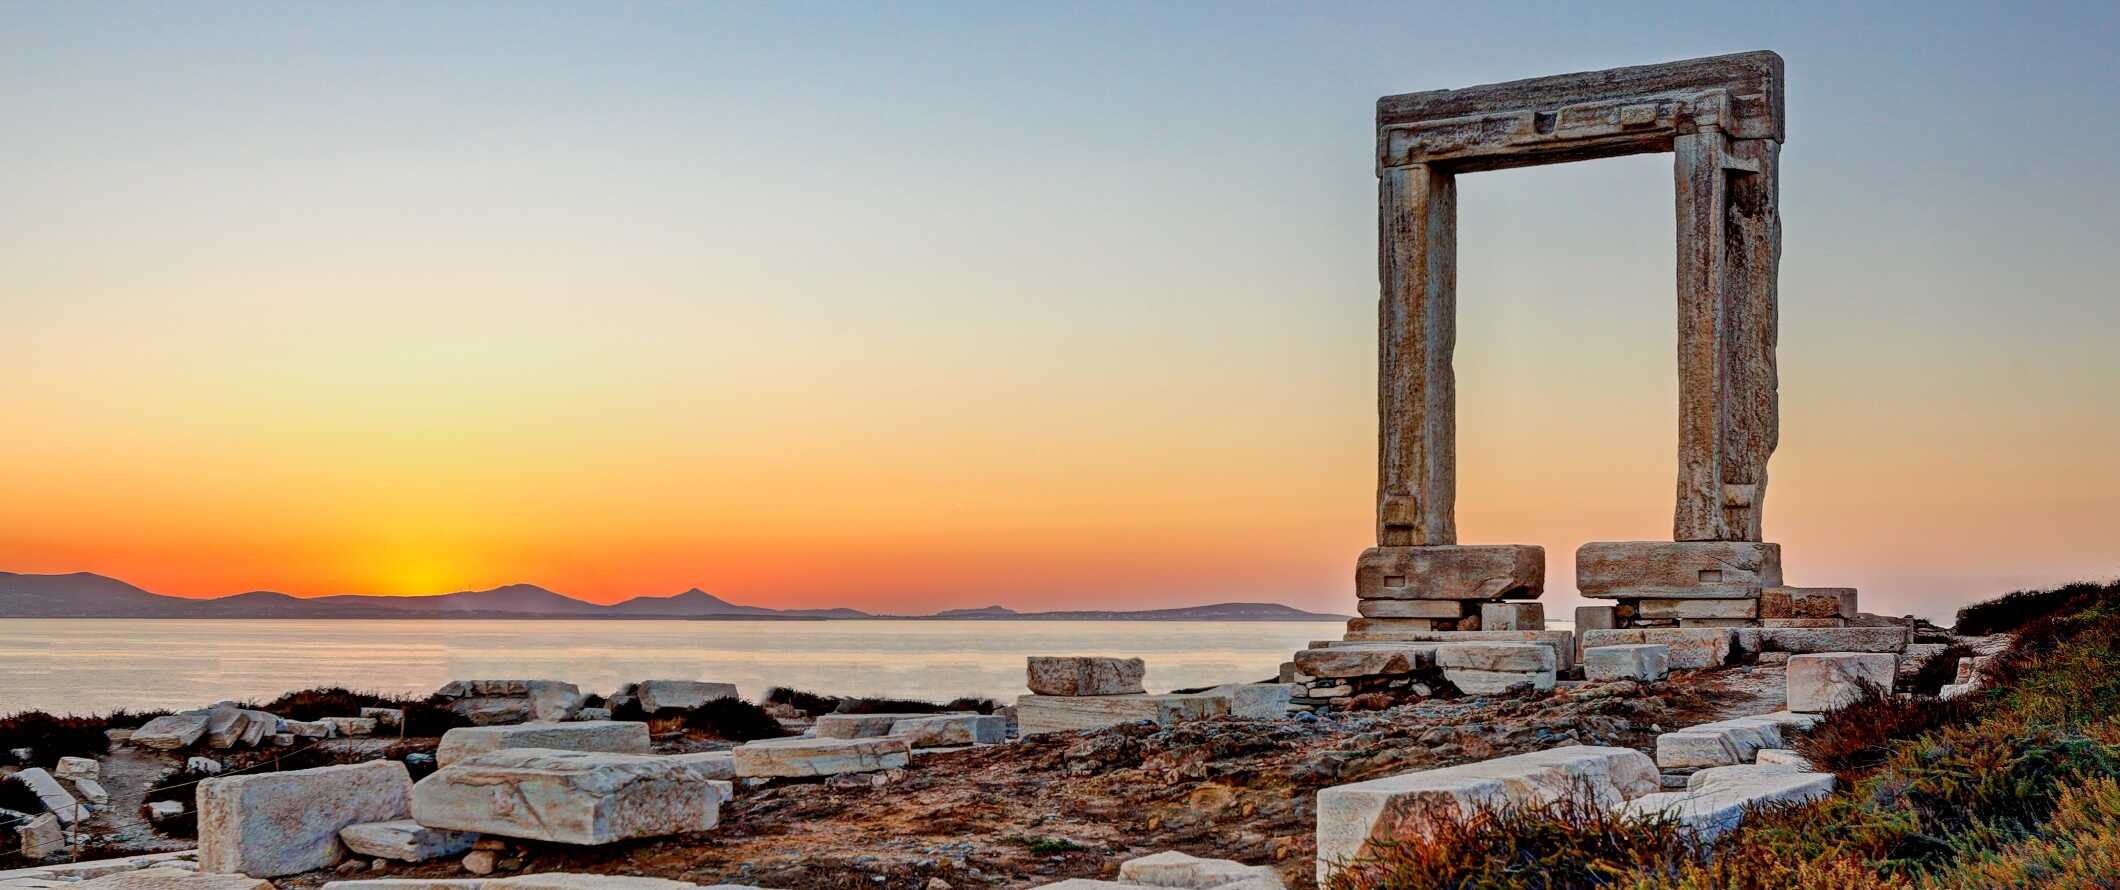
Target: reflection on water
93, 666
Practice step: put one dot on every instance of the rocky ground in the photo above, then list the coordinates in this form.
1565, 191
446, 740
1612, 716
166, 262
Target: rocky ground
1076, 804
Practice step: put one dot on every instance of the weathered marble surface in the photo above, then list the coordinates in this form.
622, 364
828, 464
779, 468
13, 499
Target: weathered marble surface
1365, 660
1721, 806
1640, 661
788, 758
1367, 633
170, 732
574, 797
1180, 871
490, 702
660, 695
1807, 602
1037, 714
615, 737
951, 730
1676, 570
858, 726
1084, 675
56, 798
1351, 816
283, 823
172, 879
1691, 648
1451, 572
1827, 681
404, 840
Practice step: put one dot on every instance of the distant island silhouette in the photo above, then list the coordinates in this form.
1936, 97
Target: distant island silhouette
88, 595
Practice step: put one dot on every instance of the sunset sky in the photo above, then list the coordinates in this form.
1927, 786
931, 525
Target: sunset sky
917, 306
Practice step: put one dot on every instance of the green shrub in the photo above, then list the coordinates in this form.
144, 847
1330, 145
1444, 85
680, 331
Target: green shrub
1939, 670
2079, 847
1859, 737
330, 701
16, 795
50, 737
2012, 611
430, 718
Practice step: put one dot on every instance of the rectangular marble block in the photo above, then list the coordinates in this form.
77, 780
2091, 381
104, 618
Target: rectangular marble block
1692, 608
1691, 648
1676, 570
1807, 602
1824, 639
1451, 572
1562, 641
1061, 713
1512, 616
1450, 610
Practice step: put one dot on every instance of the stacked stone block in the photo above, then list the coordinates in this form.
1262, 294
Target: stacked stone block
1449, 587
1701, 584
1325, 672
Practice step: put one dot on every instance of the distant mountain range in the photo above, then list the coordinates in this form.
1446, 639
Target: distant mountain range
85, 595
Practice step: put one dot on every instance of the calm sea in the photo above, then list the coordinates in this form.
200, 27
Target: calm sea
75, 666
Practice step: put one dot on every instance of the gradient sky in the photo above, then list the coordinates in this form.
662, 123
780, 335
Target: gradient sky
913, 306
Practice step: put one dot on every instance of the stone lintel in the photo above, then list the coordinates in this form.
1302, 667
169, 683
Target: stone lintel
1451, 572
1676, 570
1581, 116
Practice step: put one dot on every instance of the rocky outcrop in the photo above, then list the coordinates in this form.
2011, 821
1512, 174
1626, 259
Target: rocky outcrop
623, 737
270, 824
574, 797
